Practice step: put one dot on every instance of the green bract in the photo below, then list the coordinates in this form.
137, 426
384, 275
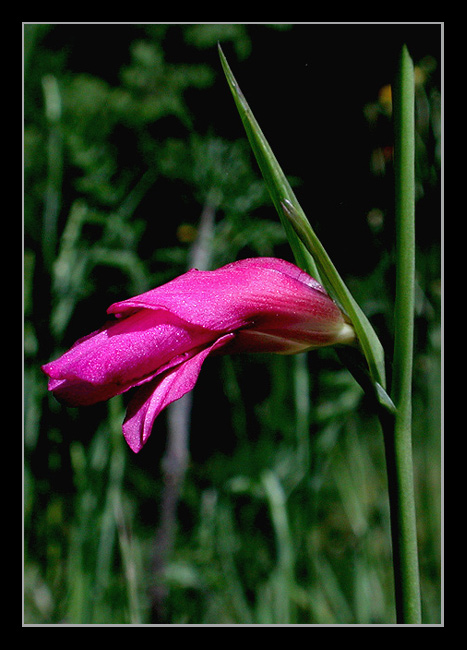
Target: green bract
308, 251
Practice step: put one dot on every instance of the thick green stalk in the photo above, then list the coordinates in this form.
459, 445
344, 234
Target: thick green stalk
398, 435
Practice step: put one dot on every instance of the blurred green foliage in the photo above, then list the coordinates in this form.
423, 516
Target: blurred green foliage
129, 133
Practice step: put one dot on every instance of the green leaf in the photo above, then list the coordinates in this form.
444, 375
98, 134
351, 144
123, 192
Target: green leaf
308, 251
276, 181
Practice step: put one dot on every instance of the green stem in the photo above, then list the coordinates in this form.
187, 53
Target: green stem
398, 427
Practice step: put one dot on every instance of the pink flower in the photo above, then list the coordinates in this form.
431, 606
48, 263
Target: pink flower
158, 341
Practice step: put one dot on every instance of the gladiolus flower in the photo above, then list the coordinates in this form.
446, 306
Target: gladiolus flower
158, 341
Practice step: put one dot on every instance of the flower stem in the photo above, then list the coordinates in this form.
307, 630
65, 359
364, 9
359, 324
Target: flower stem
397, 427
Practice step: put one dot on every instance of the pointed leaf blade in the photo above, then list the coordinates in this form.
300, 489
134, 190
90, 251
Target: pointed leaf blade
308, 251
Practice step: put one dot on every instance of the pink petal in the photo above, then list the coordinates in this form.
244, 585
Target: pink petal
150, 399
121, 355
240, 294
